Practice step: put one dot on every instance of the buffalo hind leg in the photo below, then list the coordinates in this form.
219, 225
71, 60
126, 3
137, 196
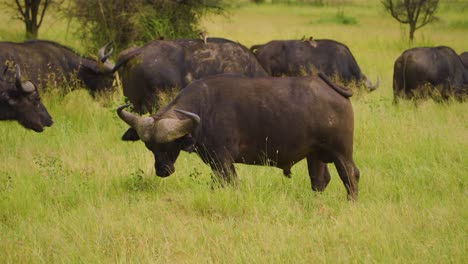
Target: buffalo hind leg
349, 174
318, 173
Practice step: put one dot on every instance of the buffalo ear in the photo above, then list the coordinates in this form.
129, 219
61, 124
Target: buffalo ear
186, 143
130, 135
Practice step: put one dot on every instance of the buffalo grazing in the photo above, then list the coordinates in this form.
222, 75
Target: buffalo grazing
20, 101
162, 65
429, 71
229, 119
49, 63
306, 56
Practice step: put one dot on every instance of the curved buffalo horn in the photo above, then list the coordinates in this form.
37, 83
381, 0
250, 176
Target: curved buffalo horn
101, 53
142, 125
105, 66
169, 129
27, 87
371, 87
191, 115
18, 76
4, 72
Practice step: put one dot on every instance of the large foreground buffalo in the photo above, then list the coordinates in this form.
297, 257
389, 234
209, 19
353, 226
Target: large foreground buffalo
162, 65
424, 71
304, 57
20, 101
49, 63
234, 119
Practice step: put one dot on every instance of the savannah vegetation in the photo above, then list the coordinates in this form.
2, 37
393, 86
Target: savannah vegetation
415, 13
76, 193
136, 22
31, 13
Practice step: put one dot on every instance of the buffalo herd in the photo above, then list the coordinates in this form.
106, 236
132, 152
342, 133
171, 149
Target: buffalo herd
234, 103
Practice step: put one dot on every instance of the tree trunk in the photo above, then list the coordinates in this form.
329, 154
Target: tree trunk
411, 32
31, 30
32, 15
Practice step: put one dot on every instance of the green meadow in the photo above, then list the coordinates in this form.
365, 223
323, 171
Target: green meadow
77, 194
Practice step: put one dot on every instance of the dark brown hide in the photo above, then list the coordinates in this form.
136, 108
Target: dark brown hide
20, 101
300, 57
162, 65
46, 62
464, 59
423, 71
252, 121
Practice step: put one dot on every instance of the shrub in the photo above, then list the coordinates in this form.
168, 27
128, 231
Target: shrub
339, 18
135, 22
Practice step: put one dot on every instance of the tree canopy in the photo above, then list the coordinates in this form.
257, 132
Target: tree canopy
415, 13
32, 13
135, 22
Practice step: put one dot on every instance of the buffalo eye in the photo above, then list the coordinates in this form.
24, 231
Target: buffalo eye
186, 143
13, 97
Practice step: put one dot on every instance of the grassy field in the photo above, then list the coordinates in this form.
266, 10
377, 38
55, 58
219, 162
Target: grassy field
76, 193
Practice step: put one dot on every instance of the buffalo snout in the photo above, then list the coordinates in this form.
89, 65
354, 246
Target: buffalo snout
37, 128
47, 121
164, 170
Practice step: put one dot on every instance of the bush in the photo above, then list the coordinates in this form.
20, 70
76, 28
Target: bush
339, 18
138, 21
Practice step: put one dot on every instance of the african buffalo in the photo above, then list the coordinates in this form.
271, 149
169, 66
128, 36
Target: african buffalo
229, 119
162, 65
464, 59
47, 62
304, 57
423, 71
20, 101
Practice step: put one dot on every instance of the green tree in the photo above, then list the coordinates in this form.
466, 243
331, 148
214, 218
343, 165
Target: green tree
415, 13
32, 13
127, 22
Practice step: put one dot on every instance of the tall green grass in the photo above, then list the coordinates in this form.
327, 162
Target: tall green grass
76, 193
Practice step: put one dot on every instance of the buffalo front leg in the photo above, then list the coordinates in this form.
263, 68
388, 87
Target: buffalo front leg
318, 173
349, 174
224, 173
